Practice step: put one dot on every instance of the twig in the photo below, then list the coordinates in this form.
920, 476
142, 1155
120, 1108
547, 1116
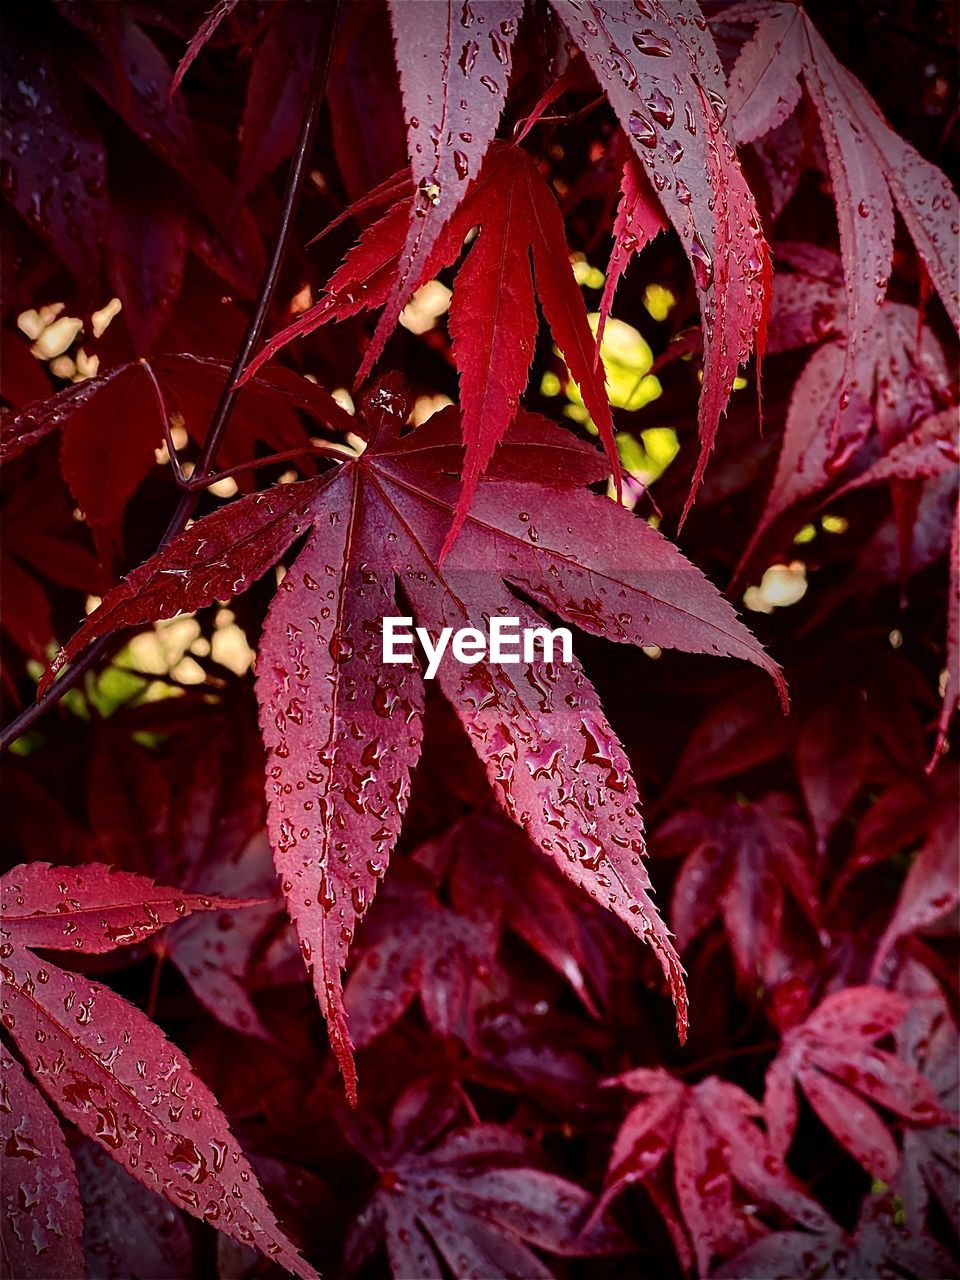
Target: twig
251, 340
228, 397
329, 449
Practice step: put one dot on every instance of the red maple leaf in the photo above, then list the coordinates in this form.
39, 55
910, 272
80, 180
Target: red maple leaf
877, 1246
661, 71
42, 1225
106, 1067
870, 166
741, 862
493, 314
112, 425
832, 1057
470, 1198
718, 1151
343, 732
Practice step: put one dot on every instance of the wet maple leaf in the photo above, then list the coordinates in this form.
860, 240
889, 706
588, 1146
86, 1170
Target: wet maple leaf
832, 1057
470, 1199
204, 833
128, 1230
721, 1160
660, 69
493, 313
469, 52
929, 450
343, 731
276, 90
895, 382
42, 1224
414, 945
105, 1066
129, 71
870, 166
927, 1040
876, 1247
742, 861
59, 202
639, 220
201, 37
112, 425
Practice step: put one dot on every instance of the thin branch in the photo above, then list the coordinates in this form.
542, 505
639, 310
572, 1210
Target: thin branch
328, 449
181, 477
251, 340
228, 397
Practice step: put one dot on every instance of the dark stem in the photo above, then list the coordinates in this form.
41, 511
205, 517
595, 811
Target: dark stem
228, 397
251, 340
324, 450
725, 1055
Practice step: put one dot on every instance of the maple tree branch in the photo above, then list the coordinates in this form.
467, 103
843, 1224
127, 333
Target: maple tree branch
181, 477
196, 483
228, 397
271, 275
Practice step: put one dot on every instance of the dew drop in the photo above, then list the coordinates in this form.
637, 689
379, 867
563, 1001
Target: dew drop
702, 262
468, 56
651, 44
661, 108
642, 129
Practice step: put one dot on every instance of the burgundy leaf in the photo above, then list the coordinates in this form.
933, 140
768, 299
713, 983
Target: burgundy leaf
146, 254
205, 834
929, 450
342, 732
882, 396
471, 1201
195, 570
130, 73
870, 166
277, 86
951, 692
469, 53
42, 1227
128, 1230
832, 1059
112, 425
639, 220
493, 314
877, 1246
927, 1037
201, 37
709, 1133
660, 70
112, 1073
59, 188
90, 909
